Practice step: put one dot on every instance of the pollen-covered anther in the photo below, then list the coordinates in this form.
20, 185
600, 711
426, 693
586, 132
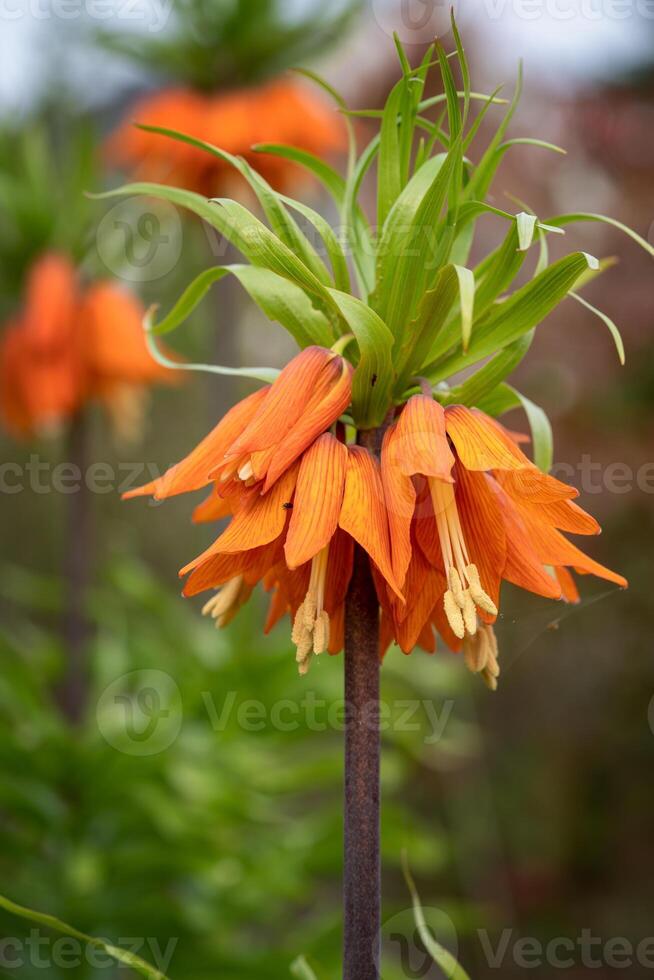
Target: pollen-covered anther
480, 598
453, 614
227, 601
310, 632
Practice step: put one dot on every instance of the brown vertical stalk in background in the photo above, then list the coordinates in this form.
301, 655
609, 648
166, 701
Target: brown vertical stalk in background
73, 690
362, 867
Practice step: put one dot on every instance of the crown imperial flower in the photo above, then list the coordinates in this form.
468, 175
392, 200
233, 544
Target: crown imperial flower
69, 345
367, 440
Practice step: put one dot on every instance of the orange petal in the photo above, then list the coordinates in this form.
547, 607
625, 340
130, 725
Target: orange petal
534, 486
568, 585
562, 514
336, 630
257, 521
313, 370
427, 639
51, 297
193, 472
479, 442
339, 570
318, 415
554, 549
420, 444
218, 569
318, 499
400, 498
111, 329
364, 512
214, 508
424, 587
483, 528
523, 566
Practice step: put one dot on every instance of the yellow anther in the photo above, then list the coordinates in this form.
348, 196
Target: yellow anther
321, 633
475, 651
453, 614
454, 582
469, 613
481, 598
311, 625
227, 601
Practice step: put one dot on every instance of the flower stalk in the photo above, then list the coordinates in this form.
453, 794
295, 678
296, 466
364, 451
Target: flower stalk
72, 692
362, 865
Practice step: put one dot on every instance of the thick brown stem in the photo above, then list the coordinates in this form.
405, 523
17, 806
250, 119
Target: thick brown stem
73, 690
362, 868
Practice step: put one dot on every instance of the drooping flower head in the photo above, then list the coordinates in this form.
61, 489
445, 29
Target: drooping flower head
368, 439
68, 345
280, 112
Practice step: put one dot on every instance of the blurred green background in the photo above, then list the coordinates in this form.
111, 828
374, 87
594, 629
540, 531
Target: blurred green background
218, 840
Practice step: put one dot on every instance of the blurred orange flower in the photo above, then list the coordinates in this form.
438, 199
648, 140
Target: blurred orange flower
69, 345
280, 112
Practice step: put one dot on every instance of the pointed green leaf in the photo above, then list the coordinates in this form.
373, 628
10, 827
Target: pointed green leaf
480, 384
525, 309
373, 377
277, 298
615, 333
123, 956
566, 219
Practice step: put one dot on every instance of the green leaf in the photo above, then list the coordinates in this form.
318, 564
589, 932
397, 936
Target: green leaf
480, 384
411, 250
281, 222
249, 235
441, 956
526, 225
389, 177
453, 281
373, 377
567, 219
265, 374
615, 333
50, 922
301, 969
337, 259
344, 196
505, 398
277, 298
525, 309
485, 171
328, 177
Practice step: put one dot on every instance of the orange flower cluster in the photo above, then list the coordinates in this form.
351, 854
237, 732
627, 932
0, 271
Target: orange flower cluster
452, 508
69, 345
280, 112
